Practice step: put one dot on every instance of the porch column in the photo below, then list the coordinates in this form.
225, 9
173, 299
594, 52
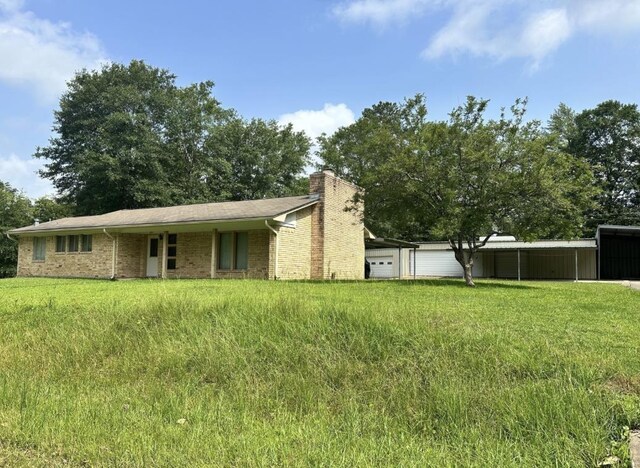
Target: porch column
518, 264
576, 264
165, 245
214, 237
116, 245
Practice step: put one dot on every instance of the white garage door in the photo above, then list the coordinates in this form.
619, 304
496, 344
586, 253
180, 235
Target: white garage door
436, 263
381, 267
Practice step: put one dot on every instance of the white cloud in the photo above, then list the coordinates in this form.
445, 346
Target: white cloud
470, 31
316, 122
543, 33
41, 55
380, 12
501, 29
22, 174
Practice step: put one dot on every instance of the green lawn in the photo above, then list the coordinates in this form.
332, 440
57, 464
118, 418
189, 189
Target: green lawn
427, 373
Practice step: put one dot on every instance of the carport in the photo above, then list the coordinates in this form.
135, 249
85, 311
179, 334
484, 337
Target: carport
618, 252
539, 260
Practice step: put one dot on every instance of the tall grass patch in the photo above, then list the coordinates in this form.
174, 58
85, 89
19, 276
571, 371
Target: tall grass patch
182, 373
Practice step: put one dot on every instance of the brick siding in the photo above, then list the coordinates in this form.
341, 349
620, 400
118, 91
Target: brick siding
337, 234
131, 255
94, 264
294, 247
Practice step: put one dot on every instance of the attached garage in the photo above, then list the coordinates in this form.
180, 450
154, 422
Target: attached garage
618, 252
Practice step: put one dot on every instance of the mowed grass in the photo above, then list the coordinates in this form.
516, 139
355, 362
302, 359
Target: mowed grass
256, 373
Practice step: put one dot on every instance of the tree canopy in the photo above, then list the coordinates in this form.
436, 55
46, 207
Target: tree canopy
608, 137
463, 179
17, 210
127, 136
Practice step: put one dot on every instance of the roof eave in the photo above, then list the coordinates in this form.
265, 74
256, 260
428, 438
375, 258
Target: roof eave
120, 227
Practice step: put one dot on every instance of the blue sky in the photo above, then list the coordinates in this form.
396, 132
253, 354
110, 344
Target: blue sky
317, 63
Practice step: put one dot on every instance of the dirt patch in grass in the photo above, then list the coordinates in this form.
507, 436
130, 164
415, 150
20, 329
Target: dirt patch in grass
627, 385
12, 454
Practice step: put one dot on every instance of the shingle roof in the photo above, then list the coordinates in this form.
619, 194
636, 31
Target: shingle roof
206, 212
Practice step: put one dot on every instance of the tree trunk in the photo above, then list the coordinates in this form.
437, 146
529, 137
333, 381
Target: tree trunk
464, 258
468, 275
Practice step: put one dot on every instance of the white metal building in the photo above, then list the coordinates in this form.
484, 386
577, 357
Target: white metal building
502, 257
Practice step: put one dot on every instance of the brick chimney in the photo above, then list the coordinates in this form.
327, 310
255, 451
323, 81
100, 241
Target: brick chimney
337, 234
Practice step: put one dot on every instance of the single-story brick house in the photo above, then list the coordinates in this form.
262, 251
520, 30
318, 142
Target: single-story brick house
303, 237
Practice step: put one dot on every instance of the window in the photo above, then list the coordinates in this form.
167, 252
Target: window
233, 251
153, 248
226, 245
72, 243
172, 250
61, 243
242, 248
39, 248
86, 243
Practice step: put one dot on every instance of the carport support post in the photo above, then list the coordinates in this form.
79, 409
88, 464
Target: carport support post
518, 264
576, 264
415, 260
399, 262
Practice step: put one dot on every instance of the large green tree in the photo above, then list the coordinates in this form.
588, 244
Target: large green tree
127, 136
608, 137
261, 159
358, 151
47, 209
464, 179
15, 211
108, 151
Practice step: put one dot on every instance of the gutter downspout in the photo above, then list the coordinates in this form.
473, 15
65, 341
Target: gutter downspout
275, 233
113, 254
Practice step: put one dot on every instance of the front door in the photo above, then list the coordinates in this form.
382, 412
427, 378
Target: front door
152, 256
